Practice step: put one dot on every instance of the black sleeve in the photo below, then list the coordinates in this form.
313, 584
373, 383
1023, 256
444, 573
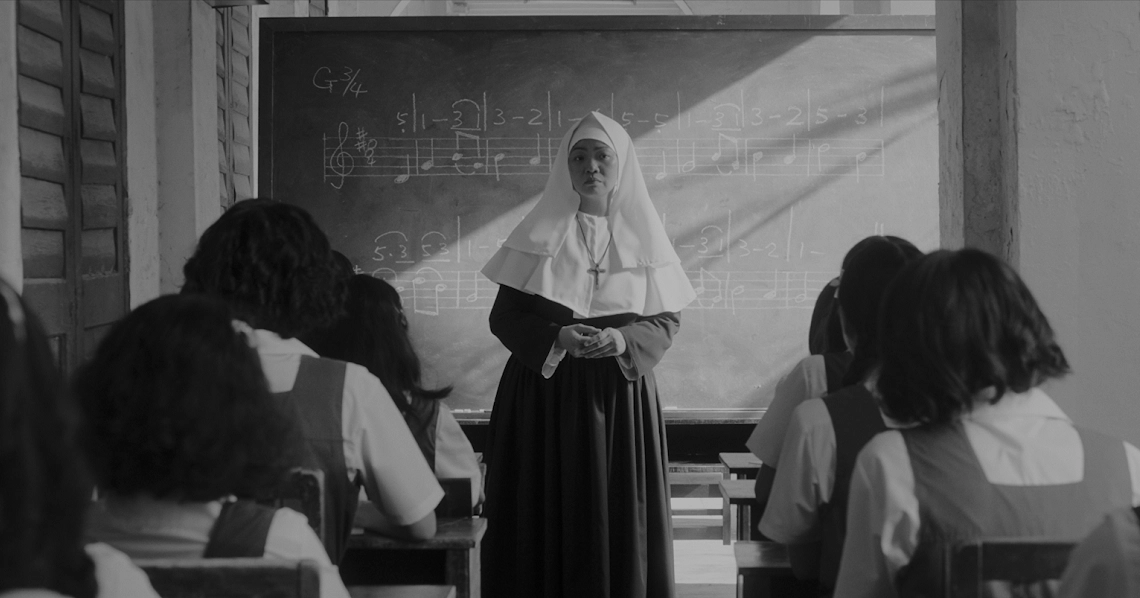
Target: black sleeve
647, 339
527, 336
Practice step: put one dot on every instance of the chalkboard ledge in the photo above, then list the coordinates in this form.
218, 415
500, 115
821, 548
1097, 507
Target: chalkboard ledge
478, 417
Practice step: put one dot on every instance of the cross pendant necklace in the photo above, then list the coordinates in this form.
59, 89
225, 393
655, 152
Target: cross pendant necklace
596, 270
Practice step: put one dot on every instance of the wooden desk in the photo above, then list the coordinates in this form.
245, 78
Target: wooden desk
402, 592
742, 494
743, 465
764, 571
450, 558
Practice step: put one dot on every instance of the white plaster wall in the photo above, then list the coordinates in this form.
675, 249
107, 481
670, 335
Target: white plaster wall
951, 184
11, 256
186, 116
1078, 83
141, 149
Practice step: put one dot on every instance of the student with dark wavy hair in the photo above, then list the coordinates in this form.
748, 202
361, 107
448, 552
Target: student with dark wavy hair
964, 349
273, 265
374, 333
808, 503
181, 421
45, 486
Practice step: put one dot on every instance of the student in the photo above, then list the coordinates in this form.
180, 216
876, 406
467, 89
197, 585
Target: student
811, 378
1106, 564
272, 264
45, 486
374, 333
808, 502
181, 421
964, 349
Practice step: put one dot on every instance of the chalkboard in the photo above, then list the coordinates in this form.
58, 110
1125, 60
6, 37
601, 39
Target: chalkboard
770, 145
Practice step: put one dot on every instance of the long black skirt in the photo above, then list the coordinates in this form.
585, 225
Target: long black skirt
577, 487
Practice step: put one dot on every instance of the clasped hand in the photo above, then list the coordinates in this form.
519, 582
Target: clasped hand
581, 340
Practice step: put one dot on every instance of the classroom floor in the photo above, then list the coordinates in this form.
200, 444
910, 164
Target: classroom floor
703, 568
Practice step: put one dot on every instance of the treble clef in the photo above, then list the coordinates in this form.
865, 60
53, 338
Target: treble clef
341, 162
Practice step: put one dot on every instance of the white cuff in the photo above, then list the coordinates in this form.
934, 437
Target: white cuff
625, 362
552, 360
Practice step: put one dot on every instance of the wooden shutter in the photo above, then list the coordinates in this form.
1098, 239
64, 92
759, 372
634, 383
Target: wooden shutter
235, 139
71, 164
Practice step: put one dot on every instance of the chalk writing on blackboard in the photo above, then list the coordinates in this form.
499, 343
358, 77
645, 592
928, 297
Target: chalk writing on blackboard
325, 78
429, 291
340, 162
465, 154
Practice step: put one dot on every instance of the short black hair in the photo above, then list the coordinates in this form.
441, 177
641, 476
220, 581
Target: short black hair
953, 324
273, 265
179, 408
45, 485
374, 333
867, 270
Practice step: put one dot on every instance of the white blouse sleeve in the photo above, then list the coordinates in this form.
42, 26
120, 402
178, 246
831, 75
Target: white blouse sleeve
116, 575
454, 457
882, 520
380, 446
290, 537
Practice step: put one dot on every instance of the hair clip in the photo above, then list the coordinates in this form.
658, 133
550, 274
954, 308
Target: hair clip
15, 312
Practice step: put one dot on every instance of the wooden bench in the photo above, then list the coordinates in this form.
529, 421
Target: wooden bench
402, 591
1019, 561
764, 571
742, 495
744, 466
450, 558
233, 578
697, 480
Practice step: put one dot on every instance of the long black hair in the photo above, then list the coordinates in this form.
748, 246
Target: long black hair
954, 324
374, 333
45, 486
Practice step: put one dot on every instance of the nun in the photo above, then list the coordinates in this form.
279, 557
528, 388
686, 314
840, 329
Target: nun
588, 302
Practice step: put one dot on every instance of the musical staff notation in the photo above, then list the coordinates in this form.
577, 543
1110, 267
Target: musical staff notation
428, 291
466, 154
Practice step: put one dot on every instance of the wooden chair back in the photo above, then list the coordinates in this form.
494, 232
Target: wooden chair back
303, 490
1004, 566
233, 578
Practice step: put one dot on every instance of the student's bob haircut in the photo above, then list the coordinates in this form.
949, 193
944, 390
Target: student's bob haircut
273, 265
953, 325
178, 407
867, 270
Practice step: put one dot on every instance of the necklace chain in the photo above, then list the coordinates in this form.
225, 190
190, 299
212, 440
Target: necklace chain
597, 269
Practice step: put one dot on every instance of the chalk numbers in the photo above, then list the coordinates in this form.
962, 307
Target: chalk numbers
342, 80
393, 247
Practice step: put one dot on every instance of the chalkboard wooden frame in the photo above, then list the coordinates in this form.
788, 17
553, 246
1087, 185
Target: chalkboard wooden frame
821, 24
